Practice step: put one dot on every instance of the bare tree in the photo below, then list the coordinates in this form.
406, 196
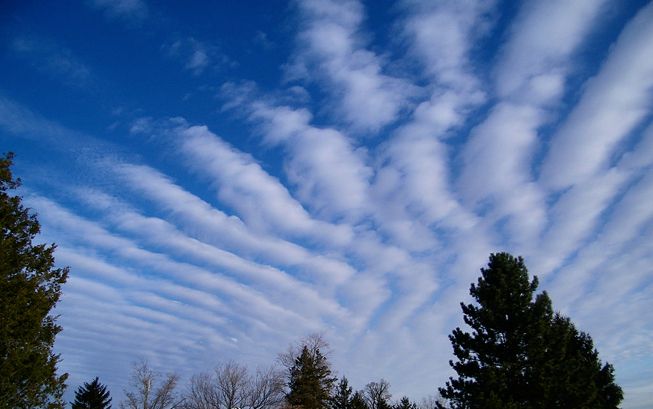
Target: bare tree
232, 387
313, 342
377, 394
266, 389
232, 382
430, 402
202, 393
146, 394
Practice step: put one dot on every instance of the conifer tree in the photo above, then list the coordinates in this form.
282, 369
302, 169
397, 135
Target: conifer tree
310, 380
92, 395
30, 286
519, 353
358, 401
405, 403
342, 395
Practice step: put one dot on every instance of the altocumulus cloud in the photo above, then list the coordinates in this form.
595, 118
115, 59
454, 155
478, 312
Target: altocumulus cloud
218, 197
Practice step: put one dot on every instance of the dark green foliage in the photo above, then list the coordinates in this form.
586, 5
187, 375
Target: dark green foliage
310, 380
30, 287
92, 395
519, 353
358, 401
342, 396
405, 403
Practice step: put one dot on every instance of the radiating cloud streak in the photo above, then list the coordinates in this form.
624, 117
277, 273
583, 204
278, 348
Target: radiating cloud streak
355, 191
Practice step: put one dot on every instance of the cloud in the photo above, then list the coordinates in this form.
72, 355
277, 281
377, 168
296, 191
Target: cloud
543, 38
243, 184
52, 59
614, 102
330, 39
127, 9
442, 35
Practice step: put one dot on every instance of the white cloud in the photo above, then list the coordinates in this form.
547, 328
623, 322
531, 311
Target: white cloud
544, 36
614, 102
330, 41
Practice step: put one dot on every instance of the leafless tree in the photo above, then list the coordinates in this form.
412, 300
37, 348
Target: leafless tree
313, 342
148, 393
232, 383
377, 392
232, 387
430, 401
266, 389
202, 393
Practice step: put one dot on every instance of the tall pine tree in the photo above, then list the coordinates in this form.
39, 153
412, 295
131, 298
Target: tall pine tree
30, 286
342, 395
92, 395
519, 353
310, 380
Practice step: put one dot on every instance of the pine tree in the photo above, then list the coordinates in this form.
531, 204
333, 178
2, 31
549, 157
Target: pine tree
342, 396
519, 353
310, 380
30, 286
92, 395
358, 401
405, 403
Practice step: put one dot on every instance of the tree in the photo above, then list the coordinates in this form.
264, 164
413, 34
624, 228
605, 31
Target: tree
309, 380
342, 395
519, 353
30, 286
231, 386
146, 394
377, 394
358, 401
405, 403
92, 395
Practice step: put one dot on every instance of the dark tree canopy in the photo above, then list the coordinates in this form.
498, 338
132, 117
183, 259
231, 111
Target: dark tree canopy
519, 353
30, 286
342, 395
405, 403
92, 395
310, 380
358, 401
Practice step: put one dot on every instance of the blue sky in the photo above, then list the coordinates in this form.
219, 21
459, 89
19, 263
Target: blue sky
224, 179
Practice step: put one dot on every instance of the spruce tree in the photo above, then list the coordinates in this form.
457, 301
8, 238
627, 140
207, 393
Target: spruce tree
358, 401
92, 395
310, 380
30, 286
342, 395
519, 353
405, 403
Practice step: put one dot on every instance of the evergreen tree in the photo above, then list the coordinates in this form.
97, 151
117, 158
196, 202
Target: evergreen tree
342, 396
358, 401
310, 380
92, 395
30, 286
405, 403
520, 354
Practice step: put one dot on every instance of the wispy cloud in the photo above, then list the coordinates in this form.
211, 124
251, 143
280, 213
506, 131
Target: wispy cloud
614, 102
197, 56
330, 41
133, 10
357, 190
52, 59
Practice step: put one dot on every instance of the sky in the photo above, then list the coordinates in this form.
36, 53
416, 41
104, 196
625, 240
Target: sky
224, 179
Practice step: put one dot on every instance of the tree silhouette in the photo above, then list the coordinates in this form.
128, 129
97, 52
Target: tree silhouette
92, 395
30, 286
519, 353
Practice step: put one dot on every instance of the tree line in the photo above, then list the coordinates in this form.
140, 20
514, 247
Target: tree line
520, 353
